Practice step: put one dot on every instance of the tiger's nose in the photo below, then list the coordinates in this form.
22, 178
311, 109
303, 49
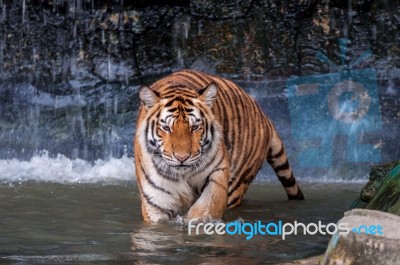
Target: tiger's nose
182, 158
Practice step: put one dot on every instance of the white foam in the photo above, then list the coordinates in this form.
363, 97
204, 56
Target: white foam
61, 169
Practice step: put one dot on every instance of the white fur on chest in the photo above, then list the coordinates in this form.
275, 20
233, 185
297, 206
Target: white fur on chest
178, 194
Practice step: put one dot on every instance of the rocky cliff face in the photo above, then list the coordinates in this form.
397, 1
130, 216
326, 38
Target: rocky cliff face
77, 62
59, 41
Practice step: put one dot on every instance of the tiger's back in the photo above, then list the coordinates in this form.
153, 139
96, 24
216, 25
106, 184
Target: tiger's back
248, 135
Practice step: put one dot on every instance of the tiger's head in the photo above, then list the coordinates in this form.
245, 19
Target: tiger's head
180, 126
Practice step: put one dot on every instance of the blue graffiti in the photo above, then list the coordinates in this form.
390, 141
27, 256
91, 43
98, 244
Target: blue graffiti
323, 106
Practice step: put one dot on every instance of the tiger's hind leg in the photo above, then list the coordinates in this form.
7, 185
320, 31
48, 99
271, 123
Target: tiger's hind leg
278, 160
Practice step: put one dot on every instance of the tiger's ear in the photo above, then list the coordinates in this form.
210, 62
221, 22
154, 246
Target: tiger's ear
148, 97
209, 94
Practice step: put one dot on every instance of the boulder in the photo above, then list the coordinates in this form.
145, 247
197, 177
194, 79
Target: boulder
367, 246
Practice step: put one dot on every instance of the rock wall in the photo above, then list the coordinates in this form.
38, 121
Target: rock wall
69, 69
59, 41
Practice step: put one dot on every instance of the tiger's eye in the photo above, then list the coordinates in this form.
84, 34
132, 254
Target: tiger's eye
195, 127
165, 128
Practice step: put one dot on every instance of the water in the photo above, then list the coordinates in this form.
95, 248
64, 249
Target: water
96, 219
44, 223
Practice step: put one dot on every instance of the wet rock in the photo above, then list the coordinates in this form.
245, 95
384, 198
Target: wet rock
376, 178
249, 39
382, 192
214, 9
387, 198
365, 248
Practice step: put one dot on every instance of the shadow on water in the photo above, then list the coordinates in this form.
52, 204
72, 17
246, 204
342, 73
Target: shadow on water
44, 223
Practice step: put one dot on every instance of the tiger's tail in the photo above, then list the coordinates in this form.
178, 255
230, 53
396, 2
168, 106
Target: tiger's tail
278, 160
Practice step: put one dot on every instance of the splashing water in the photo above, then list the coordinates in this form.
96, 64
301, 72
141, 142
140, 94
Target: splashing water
60, 169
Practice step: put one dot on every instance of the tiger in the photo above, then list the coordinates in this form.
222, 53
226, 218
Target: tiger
200, 141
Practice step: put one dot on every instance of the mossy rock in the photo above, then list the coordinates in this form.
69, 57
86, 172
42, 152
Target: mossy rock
382, 192
387, 198
376, 178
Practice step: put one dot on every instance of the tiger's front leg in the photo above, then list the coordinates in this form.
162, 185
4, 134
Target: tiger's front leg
214, 198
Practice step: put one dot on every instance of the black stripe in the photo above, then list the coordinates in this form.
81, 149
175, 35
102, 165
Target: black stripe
189, 81
228, 126
172, 110
232, 141
209, 140
166, 117
213, 160
156, 92
151, 182
146, 130
152, 125
219, 184
202, 77
174, 93
177, 98
233, 201
169, 103
208, 179
205, 184
155, 112
175, 86
287, 182
165, 173
217, 169
201, 113
170, 213
249, 156
282, 167
204, 137
206, 126
225, 120
243, 143
180, 99
152, 143
201, 91
212, 131
241, 179
152, 150
276, 155
169, 96
190, 76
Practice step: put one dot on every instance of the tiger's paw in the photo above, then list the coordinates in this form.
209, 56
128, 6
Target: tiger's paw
202, 215
197, 217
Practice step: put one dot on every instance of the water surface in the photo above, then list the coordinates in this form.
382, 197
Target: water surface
50, 223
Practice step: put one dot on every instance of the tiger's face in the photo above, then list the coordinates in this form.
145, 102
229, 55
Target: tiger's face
180, 129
